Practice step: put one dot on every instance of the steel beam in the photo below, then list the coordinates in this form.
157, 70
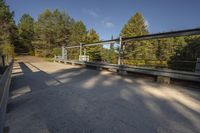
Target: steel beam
164, 35
180, 33
101, 43
70, 47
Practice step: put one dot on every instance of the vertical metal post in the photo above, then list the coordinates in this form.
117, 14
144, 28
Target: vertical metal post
84, 51
197, 69
63, 52
119, 54
122, 54
66, 54
80, 49
80, 58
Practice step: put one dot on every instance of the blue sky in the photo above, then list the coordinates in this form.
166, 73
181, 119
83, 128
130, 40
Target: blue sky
107, 17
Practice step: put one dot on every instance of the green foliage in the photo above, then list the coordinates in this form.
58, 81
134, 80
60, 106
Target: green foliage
167, 52
52, 30
136, 27
26, 32
94, 52
57, 51
191, 51
7, 50
8, 30
147, 63
55, 28
78, 32
109, 55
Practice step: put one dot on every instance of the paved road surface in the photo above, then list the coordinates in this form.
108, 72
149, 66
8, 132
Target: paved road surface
56, 98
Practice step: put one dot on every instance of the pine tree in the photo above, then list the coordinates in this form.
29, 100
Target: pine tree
7, 25
8, 30
94, 52
135, 27
52, 30
78, 32
26, 31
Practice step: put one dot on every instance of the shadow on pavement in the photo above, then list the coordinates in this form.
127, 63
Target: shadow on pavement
89, 101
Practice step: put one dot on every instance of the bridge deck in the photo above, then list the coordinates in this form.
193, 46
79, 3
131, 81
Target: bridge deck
56, 98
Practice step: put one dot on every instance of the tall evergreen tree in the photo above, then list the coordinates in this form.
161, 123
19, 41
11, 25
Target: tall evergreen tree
26, 32
94, 52
52, 30
7, 24
135, 27
8, 30
78, 32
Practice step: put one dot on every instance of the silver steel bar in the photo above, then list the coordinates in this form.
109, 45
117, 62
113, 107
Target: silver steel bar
99, 43
180, 33
72, 47
164, 35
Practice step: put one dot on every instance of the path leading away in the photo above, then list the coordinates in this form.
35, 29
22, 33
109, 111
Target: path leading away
55, 98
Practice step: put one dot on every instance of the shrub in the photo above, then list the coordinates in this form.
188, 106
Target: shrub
57, 51
8, 51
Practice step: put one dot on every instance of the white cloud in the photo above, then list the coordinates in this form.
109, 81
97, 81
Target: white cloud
147, 23
107, 23
93, 13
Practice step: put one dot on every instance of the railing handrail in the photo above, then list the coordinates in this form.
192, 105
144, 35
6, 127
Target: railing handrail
179, 33
4, 91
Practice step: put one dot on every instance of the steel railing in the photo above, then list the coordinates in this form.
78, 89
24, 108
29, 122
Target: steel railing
5, 82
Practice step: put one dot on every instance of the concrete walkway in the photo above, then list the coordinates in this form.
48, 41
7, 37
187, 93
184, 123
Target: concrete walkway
56, 98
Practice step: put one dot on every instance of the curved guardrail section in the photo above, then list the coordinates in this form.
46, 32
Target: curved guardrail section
5, 82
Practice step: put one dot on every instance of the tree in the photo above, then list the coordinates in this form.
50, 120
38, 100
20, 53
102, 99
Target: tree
63, 23
78, 32
8, 32
136, 27
6, 22
8, 51
26, 32
52, 30
94, 52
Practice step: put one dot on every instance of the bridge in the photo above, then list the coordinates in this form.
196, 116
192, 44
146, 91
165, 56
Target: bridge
75, 97
51, 97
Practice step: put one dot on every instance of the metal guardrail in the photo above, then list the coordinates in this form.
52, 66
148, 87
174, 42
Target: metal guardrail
122, 41
190, 76
4, 93
174, 74
2, 64
198, 66
187, 32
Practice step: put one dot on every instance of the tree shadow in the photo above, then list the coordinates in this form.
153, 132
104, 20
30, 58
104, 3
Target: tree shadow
87, 101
